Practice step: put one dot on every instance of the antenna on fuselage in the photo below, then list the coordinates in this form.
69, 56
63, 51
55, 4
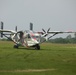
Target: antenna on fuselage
31, 26
1, 34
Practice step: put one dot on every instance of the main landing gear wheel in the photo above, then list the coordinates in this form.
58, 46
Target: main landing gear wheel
16, 46
37, 47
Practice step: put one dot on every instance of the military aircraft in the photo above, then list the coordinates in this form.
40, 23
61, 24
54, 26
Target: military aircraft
29, 38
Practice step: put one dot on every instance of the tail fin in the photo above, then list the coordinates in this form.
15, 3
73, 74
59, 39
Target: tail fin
31, 26
1, 29
16, 28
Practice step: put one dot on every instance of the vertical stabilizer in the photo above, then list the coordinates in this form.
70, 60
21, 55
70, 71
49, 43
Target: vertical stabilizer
31, 26
16, 28
1, 23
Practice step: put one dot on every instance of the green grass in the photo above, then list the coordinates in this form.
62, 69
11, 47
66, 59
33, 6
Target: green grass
60, 59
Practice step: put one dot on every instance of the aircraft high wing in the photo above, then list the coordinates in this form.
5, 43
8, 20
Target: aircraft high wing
30, 38
10, 31
48, 31
53, 33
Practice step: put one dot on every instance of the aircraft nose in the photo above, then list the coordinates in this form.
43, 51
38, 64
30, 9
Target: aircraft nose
35, 41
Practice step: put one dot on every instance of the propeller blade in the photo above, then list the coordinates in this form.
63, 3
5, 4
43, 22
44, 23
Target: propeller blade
48, 30
45, 35
44, 31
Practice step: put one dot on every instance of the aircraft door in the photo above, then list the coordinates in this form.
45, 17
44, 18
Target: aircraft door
28, 40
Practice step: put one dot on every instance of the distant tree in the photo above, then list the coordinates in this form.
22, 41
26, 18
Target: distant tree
75, 35
69, 37
59, 40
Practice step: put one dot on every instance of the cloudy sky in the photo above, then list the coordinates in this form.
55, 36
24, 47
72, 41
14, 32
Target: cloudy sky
59, 15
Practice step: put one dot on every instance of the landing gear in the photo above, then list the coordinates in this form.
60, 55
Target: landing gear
37, 47
16, 46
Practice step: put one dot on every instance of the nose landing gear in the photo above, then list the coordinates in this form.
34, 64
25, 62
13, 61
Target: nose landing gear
16, 46
37, 47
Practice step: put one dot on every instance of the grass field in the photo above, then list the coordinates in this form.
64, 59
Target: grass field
52, 59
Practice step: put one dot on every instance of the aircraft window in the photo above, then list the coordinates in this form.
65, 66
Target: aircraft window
35, 36
21, 34
29, 36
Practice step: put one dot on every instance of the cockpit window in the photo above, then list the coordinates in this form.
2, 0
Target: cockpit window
21, 34
35, 36
28, 36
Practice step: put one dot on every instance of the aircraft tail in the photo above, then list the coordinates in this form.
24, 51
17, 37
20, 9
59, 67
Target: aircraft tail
31, 26
16, 28
1, 34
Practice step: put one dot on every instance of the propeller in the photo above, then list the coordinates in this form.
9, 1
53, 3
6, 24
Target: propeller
46, 32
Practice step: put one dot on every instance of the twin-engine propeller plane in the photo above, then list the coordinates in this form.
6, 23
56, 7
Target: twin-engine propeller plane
30, 38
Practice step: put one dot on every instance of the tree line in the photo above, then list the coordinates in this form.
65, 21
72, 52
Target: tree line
68, 39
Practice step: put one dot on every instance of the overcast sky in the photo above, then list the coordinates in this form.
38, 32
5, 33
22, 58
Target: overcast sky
59, 15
